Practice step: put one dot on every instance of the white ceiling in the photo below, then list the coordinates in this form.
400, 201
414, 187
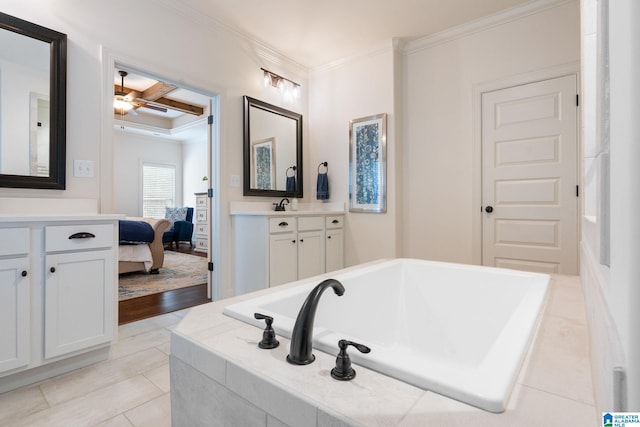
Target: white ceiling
314, 33
317, 33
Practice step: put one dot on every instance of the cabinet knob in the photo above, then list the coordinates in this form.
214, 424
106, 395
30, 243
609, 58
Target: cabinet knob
52, 269
335, 221
293, 241
24, 273
328, 237
301, 240
283, 224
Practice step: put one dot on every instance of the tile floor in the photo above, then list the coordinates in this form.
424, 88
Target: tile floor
131, 388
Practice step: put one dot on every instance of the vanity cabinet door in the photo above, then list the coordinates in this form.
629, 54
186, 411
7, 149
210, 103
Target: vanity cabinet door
310, 253
283, 258
79, 301
14, 313
334, 250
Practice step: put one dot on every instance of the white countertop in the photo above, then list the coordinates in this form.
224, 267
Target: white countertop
44, 217
268, 209
554, 383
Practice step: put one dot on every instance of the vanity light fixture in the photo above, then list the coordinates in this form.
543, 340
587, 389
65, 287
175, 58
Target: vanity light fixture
283, 84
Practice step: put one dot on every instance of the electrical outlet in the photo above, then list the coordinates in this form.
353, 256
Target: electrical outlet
235, 180
83, 168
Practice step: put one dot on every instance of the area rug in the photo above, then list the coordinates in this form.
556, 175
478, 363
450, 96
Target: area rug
178, 271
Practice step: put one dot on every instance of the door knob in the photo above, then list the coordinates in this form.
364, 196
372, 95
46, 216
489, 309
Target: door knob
488, 209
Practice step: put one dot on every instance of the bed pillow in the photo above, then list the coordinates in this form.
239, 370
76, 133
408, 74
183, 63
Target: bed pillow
175, 214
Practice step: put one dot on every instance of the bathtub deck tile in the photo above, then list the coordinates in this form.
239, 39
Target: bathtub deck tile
527, 407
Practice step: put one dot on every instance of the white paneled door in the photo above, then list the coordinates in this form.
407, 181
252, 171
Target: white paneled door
529, 177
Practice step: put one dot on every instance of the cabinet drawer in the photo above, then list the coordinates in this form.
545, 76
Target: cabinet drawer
279, 225
14, 241
202, 229
306, 223
78, 237
335, 221
201, 202
201, 215
201, 243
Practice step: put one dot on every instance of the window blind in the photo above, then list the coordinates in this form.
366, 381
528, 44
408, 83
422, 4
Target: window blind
158, 189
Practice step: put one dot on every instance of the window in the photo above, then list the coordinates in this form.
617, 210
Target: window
158, 189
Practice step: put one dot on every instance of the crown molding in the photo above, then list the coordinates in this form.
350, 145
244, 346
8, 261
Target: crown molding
258, 47
391, 44
500, 18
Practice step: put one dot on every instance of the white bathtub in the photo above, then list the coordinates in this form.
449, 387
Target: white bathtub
459, 330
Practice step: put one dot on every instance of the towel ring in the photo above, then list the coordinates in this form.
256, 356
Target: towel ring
325, 164
290, 168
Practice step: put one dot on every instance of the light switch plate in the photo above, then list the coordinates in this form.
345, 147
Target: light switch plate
83, 168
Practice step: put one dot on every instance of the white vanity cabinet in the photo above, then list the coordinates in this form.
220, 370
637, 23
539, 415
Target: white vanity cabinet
58, 294
79, 287
334, 243
14, 298
273, 249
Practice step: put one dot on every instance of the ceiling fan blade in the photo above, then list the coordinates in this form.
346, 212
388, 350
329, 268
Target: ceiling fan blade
153, 107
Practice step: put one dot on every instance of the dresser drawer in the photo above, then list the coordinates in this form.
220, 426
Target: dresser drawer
201, 243
280, 225
201, 215
202, 229
201, 202
14, 241
78, 237
334, 221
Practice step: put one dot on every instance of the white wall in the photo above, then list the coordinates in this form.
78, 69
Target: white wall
190, 49
438, 160
129, 152
359, 87
194, 168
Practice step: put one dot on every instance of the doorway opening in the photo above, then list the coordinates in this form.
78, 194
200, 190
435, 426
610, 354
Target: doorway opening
159, 126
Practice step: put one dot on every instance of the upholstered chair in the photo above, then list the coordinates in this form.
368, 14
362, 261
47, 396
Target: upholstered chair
182, 226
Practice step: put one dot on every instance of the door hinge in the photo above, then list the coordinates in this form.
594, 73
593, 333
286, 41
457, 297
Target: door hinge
577, 100
210, 266
210, 192
577, 191
210, 120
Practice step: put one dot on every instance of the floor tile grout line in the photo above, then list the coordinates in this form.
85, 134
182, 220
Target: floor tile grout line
557, 395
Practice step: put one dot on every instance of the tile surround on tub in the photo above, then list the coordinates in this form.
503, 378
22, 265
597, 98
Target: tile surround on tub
249, 370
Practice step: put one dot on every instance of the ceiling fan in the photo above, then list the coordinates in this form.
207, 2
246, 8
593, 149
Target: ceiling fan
127, 103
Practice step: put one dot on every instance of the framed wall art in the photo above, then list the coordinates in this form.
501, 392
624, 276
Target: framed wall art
368, 164
263, 164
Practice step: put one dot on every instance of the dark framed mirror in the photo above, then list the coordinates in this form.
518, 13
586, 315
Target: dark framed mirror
272, 150
33, 105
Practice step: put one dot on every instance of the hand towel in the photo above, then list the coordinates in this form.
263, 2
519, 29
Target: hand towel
291, 184
322, 187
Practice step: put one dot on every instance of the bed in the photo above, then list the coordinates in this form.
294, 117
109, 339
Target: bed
140, 244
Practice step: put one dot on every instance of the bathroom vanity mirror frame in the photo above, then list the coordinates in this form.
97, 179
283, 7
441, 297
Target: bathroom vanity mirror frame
252, 104
57, 105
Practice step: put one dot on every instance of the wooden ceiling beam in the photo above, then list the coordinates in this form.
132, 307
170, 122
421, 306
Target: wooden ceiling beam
176, 105
157, 91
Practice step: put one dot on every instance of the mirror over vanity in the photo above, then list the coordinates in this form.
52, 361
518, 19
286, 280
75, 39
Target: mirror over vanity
33, 86
272, 150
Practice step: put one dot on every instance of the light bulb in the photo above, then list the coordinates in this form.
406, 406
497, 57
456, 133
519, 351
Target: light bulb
267, 79
296, 91
281, 85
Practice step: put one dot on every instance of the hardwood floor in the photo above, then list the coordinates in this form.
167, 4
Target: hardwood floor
164, 302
